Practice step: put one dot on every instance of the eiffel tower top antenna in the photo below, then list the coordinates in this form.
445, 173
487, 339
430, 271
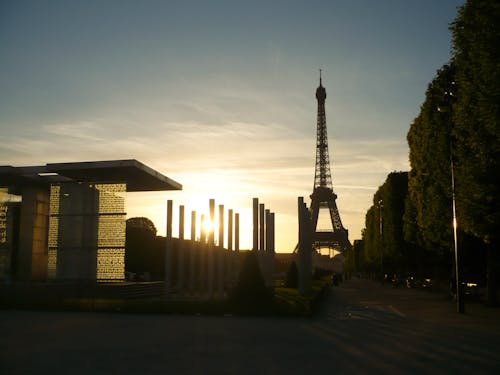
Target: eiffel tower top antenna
323, 176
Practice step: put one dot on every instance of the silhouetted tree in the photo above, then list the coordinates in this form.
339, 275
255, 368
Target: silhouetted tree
429, 179
385, 246
141, 248
141, 222
251, 292
476, 113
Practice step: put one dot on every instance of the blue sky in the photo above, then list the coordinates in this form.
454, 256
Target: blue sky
219, 95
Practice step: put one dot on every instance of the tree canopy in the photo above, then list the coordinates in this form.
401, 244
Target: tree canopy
476, 114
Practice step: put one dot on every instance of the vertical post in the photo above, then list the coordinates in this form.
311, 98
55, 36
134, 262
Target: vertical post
460, 300
180, 252
267, 215
273, 231
203, 269
381, 233
230, 275
211, 234
300, 247
237, 245
221, 226
266, 254
192, 253
193, 225
272, 249
262, 226
305, 249
255, 207
308, 248
237, 233
203, 233
220, 254
168, 249
230, 230
210, 254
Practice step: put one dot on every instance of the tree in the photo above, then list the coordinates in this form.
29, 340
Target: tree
251, 292
384, 246
429, 184
143, 223
141, 248
476, 46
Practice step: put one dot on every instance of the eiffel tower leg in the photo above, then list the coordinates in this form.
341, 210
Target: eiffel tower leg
334, 215
315, 204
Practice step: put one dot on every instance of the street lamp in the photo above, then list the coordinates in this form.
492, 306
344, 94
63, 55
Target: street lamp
381, 233
449, 98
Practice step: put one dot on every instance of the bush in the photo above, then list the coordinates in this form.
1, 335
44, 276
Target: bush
251, 293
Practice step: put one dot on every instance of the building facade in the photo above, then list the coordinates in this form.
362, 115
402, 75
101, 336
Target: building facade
67, 221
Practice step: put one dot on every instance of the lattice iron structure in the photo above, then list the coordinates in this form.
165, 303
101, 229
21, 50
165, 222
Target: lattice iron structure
323, 195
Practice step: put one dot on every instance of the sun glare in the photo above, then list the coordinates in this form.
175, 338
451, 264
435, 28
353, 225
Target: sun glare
208, 225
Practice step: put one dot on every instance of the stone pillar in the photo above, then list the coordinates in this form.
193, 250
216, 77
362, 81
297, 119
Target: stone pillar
192, 253
168, 250
230, 230
237, 233
203, 234
220, 254
237, 245
229, 255
203, 269
180, 253
262, 228
266, 269
211, 248
305, 248
273, 232
221, 226
255, 208
271, 249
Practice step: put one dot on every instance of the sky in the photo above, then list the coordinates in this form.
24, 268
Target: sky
220, 95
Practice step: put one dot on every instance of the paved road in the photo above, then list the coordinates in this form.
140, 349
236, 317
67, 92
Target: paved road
363, 328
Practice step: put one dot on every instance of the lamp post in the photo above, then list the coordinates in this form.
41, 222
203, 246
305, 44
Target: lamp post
381, 234
449, 98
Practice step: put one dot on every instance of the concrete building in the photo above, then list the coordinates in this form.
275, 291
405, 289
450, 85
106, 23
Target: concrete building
66, 221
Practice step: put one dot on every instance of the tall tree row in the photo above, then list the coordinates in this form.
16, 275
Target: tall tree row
428, 216
476, 116
458, 124
384, 247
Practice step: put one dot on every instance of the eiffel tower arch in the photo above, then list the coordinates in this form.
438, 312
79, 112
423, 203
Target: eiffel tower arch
323, 197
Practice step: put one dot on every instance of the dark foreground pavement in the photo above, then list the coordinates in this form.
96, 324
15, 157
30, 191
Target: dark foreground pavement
363, 328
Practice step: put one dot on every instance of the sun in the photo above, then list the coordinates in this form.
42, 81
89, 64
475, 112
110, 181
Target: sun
208, 225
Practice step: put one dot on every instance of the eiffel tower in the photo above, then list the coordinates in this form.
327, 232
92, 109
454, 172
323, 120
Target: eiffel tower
323, 196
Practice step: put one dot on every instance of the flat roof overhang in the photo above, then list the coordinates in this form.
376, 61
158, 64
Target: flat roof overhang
136, 175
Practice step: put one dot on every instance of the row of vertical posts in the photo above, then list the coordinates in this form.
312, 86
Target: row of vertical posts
264, 240
203, 269
304, 263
